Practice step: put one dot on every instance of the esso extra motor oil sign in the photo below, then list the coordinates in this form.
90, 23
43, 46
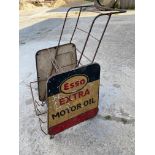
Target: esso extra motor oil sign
72, 97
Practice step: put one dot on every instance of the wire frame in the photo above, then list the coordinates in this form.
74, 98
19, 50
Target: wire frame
41, 106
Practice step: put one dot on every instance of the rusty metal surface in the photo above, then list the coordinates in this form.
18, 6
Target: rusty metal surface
50, 61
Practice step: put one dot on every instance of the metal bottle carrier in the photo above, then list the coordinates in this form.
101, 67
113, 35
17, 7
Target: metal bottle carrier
55, 64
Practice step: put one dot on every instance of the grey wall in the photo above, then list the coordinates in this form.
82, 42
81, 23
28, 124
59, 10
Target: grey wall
127, 4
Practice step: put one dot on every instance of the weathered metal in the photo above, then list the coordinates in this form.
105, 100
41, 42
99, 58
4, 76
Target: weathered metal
72, 97
56, 65
50, 61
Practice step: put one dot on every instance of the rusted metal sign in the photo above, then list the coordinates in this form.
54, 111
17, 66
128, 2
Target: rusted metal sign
72, 97
52, 60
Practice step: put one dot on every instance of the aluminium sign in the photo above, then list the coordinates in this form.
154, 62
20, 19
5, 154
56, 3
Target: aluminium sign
72, 97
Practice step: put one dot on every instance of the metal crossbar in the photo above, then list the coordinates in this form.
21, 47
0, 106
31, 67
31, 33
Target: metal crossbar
87, 33
110, 12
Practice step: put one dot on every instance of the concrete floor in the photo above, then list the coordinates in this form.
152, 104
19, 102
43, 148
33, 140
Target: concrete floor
41, 29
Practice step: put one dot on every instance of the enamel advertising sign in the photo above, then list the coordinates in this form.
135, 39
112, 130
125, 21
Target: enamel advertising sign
72, 97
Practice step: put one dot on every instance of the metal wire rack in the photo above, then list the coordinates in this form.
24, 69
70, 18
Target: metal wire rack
41, 106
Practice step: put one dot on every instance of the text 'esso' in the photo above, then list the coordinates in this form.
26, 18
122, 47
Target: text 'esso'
74, 84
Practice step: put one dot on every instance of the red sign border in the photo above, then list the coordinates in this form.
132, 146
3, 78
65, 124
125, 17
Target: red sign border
72, 122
